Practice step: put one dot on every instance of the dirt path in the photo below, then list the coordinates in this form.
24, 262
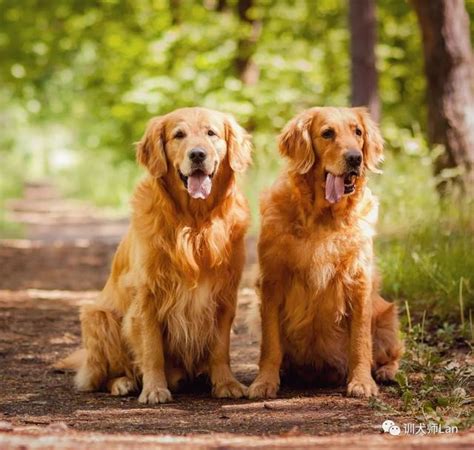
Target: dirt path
61, 264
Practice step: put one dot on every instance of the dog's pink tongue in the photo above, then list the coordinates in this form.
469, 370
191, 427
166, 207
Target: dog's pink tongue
334, 188
199, 185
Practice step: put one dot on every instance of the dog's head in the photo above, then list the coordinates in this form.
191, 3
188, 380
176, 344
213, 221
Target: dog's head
337, 144
194, 145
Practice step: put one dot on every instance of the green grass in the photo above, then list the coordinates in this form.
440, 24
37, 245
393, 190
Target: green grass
425, 254
434, 383
431, 268
103, 181
11, 186
424, 246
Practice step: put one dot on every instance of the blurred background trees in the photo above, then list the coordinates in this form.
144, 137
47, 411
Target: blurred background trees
364, 78
449, 68
79, 79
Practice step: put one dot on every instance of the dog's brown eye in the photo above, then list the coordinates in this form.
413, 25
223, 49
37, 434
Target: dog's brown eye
358, 131
328, 134
179, 135
211, 133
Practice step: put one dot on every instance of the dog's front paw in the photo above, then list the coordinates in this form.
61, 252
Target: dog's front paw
358, 387
229, 389
155, 395
263, 389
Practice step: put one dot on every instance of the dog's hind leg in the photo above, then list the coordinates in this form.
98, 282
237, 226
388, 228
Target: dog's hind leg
121, 385
387, 347
105, 353
175, 376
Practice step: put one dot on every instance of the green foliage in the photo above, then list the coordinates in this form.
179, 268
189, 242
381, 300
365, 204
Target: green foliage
83, 77
13, 165
433, 385
400, 62
433, 382
106, 183
11, 186
429, 267
424, 248
80, 79
101, 68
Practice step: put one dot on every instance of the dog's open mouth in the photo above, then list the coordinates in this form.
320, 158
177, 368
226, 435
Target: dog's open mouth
198, 183
339, 185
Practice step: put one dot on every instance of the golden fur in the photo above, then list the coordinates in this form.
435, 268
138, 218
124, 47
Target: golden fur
322, 316
165, 313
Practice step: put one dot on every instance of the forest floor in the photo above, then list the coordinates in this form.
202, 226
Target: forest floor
60, 265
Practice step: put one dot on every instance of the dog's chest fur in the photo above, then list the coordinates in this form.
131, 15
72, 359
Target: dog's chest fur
317, 301
189, 323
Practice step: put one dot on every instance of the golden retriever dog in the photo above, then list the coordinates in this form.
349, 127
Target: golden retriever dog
165, 313
322, 317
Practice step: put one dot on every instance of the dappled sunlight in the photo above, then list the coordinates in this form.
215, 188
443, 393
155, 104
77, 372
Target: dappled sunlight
79, 82
85, 296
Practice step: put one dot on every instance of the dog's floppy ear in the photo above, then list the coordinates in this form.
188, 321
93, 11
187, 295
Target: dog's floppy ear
295, 142
373, 141
239, 145
151, 148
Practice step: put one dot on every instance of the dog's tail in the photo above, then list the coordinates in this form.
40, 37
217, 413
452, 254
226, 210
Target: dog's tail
73, 361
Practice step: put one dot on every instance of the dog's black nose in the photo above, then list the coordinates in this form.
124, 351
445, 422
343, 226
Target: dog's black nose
353, 158
197, 155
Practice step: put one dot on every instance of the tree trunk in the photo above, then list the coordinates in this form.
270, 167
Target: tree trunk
246, 68
363, 28
450, 90
175, 11
221, 5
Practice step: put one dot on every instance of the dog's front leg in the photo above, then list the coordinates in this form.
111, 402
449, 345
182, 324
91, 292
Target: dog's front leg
224, 384
155, 387
267, 383
144, 333
360, 381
